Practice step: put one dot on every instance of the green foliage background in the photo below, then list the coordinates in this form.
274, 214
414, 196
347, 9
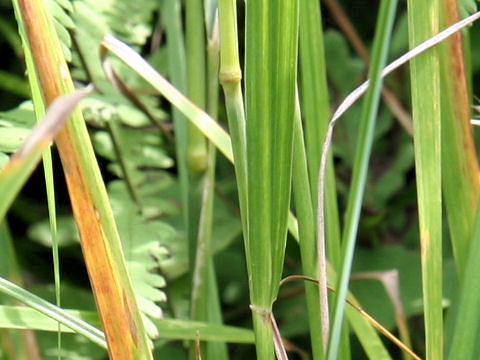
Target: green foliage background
154, 238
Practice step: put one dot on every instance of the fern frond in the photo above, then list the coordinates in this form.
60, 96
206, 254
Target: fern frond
141, 240
63, 23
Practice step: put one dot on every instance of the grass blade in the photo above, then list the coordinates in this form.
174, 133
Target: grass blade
53, 312
315, 107
171, 12
364, 144
22, 317
423, 17
270, 78
306, 225
202, 120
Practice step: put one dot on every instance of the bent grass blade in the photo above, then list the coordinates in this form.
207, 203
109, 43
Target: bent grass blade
53, 312
15, 173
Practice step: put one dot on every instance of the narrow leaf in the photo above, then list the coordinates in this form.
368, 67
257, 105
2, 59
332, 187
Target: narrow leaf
16, 172
362, 156
423, 18
52, 311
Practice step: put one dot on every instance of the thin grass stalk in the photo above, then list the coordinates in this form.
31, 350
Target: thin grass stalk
315, 107
230, 79
50, 188
423, 20
314, 90
52, 217
39, 108
306, 227
114, 131
460, 170
208, 300
171, 11
364, 145
197, 155
197, 163
315, 101
172, 18
99, 237
203, 259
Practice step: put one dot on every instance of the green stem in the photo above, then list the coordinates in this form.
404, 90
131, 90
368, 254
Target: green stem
230, 79
362, 156
113, 129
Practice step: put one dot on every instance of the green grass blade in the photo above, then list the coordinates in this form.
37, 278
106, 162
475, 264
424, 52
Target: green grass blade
52, 311
197, 157
230, 79
208, 300
315, 109
364, 145
177, 68
197, 153
314, 99
22, 317
423, 17
270, 76
202, 120
306, 225
190, 330
39, 107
